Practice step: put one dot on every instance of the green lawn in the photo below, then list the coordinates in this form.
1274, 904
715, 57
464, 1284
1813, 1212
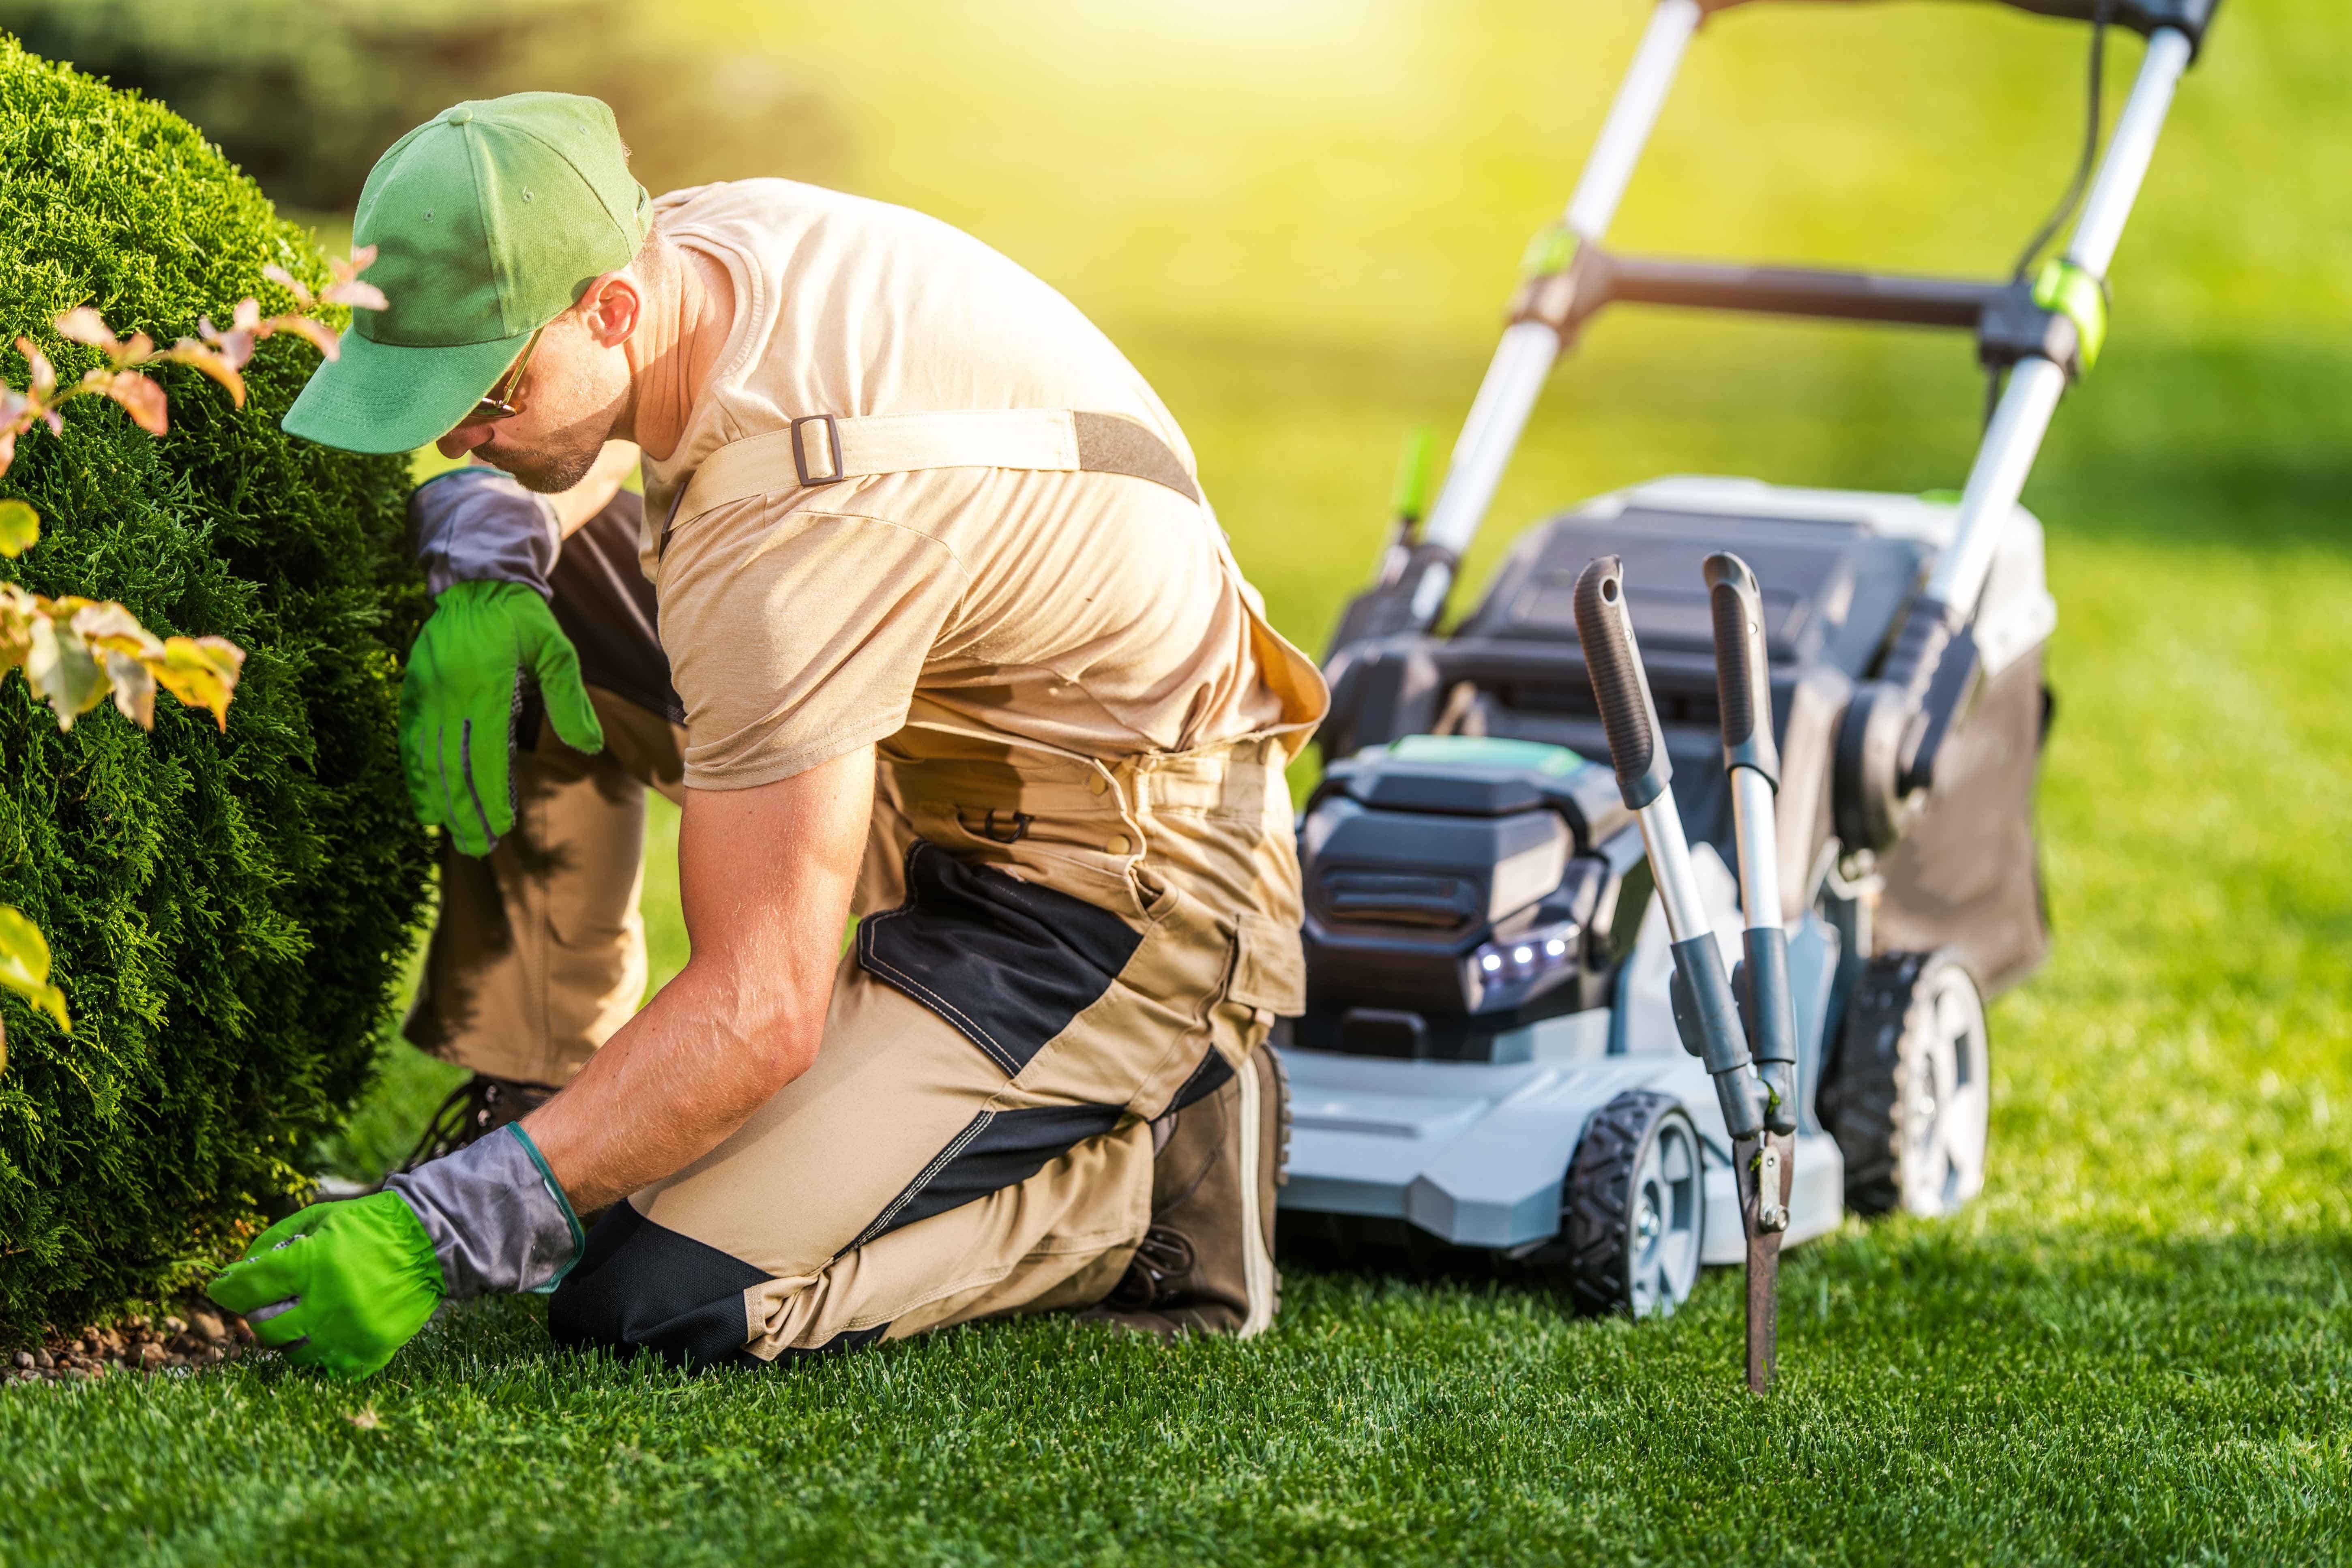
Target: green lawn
2137, 1345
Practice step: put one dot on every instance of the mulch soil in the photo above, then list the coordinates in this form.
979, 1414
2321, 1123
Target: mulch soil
193, 1336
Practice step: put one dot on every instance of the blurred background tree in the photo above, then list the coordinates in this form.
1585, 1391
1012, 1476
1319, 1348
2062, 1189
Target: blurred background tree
304, 94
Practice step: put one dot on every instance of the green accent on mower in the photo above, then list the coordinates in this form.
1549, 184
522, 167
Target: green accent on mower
2074, 293
1551, 250
1415, 470
1485, 753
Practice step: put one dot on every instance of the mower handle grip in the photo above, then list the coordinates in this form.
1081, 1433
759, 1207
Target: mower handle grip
1637, 746
1743, 673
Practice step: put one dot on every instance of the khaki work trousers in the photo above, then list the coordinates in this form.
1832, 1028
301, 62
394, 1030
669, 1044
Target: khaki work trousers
1054, 952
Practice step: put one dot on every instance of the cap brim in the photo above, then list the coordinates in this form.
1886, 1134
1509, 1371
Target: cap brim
385, 397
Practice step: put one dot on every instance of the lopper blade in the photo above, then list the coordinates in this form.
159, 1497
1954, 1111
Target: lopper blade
1766, 1168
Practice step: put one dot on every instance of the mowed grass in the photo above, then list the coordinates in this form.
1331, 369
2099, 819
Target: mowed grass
2137, 1346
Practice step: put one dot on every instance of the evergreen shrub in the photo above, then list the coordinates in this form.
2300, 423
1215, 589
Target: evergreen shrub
228, 912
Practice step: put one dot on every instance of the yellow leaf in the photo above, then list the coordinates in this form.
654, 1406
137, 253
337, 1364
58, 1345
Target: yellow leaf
366, 296
20, 527
200, 671
217, 365
142, 399
319, 332
110, 625
134, 687
62, 672
16, 611
85, 325
44, 374
286, 280
25, 966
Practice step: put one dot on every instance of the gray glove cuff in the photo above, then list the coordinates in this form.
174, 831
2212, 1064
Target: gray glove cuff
499, 1222
477, 525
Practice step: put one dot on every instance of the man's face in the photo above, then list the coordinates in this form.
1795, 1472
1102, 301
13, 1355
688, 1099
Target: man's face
567, 399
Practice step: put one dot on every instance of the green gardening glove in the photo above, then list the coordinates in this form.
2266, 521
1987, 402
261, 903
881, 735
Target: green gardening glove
458, 700
353, 1282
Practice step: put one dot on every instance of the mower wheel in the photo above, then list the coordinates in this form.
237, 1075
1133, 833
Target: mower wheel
1634, 1208
1908, 1095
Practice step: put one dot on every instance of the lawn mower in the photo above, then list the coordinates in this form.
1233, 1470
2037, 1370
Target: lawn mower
1652, 909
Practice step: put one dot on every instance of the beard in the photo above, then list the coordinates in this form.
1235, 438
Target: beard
552, 467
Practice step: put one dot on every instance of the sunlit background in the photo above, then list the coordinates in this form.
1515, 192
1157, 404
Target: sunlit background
1302, 216
1302, 219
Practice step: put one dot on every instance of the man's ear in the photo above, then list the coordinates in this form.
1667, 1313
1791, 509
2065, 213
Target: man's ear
610, 308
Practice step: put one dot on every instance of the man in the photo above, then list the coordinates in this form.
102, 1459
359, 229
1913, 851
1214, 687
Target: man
955, 645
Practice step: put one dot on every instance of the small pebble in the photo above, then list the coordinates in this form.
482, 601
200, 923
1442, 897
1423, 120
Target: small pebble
44, 1360
24, 1360
175, 1325
207, 1324
150, 1355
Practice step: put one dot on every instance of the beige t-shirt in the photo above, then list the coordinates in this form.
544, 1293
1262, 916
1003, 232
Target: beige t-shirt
1093, 613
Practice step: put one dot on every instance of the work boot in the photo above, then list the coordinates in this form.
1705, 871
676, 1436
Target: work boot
1206, 1265
474, 1110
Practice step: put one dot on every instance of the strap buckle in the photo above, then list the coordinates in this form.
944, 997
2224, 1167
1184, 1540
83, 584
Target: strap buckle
1013, 830
828, 467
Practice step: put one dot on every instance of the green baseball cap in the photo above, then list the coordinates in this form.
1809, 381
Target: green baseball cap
488, 220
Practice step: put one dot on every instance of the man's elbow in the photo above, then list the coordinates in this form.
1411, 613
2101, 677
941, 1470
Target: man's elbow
777, 1032
780, 1057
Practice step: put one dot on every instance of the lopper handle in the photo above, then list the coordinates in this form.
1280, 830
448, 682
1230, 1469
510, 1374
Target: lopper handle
1637, 746
1743, 676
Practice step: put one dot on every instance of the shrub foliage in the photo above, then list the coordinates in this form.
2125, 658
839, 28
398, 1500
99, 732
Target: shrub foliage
228, 912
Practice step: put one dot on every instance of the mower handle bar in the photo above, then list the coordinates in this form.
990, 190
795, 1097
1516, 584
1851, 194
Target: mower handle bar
1524, 359
2145, 17
2023, 416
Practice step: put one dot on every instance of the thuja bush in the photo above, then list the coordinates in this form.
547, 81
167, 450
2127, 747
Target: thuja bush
227, 908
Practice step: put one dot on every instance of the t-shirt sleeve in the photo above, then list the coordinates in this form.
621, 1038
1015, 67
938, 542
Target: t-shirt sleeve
794, 638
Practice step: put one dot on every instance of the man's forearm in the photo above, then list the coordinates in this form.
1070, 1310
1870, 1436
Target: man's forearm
679, 1078
764, 879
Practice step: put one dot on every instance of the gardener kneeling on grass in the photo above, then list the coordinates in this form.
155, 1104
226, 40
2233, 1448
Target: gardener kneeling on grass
948, 638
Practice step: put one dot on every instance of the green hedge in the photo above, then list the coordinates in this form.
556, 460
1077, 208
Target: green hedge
228, 912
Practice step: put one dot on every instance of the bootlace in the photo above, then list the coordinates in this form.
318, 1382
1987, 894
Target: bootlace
1162, 1263
472, 1111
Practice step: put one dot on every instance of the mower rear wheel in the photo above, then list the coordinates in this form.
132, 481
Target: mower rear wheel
1634, 1208
1908, 1097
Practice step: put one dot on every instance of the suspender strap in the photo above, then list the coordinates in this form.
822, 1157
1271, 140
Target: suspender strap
822, 449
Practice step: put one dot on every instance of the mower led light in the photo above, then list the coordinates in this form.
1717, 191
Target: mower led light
1506, 971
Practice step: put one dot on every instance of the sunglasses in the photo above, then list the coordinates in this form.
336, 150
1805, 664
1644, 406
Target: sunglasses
503, 401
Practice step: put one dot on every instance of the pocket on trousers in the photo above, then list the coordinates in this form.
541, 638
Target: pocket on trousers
1007, 964
1269, 966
